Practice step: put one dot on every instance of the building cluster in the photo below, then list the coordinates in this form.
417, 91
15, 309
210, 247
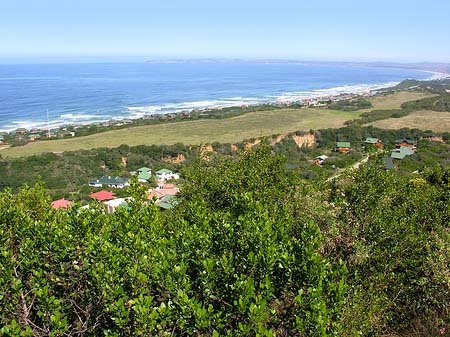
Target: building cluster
32, 135
164, 195
403, 148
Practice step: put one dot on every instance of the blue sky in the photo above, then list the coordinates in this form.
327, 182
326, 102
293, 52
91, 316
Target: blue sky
394, 30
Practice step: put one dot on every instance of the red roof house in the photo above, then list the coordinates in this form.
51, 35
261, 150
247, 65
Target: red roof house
61, 203
161, 193
102, 195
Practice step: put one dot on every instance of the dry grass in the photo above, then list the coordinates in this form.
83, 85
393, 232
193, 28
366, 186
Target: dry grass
423, 120
393, 101
250, 125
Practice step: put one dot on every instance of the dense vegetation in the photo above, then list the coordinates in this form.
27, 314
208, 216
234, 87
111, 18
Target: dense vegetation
66, 175
251, 250
434, 85
350, 105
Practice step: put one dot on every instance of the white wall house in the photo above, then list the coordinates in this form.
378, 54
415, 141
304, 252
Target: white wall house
165, 174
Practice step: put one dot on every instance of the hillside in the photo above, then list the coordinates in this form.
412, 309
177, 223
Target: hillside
229, 130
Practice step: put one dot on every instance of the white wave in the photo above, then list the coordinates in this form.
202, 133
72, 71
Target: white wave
435, 75
79, 116
336, 91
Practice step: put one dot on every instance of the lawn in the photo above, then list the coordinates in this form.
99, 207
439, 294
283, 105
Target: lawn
230, 130
422, 120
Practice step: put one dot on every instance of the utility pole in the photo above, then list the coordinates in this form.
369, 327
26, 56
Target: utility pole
48, 126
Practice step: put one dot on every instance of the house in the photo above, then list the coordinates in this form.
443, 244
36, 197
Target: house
320, 160
112, 205
144, 174
402, 152
61, 203
21, 131
144, 177
342, 147
110, 181
33, 137
405, 142
374, 141
165, 174
154, 195
167, 202
398, 155
162, 191
102, 195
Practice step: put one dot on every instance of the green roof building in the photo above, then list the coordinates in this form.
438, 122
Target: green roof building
370, 140
402, 152
405, 141
164, 171
406, 150
398, 155
111, 181
343, 145
144, 169
144, 176
167, 202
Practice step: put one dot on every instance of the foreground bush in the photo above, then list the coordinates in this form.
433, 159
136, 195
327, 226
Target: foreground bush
249, 251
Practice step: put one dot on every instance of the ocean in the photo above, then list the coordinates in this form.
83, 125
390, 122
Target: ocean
36, 96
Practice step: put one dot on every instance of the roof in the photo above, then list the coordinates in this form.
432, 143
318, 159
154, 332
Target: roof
102, 195
61, 203
402, 152
164, 171
406, 150
168, 202
110, 180
161, 193
388, 163
370, 140
343, 144
144, 175
117, 203
144, 169
168, 191
322, 157
401, 140
397, 155
168, 186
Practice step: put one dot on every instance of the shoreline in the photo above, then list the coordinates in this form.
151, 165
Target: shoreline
150, 112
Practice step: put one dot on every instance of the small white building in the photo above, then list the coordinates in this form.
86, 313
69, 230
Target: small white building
165, 174
112, 205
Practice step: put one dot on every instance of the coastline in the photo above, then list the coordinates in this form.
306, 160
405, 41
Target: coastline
140, 113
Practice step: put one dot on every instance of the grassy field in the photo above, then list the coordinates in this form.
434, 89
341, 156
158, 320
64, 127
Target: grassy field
393, 101
422, 120
249, 125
